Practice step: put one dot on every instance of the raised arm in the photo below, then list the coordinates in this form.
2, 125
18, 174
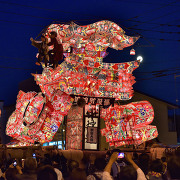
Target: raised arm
34, 43
106, 174
129, 158
140, 173
113, 158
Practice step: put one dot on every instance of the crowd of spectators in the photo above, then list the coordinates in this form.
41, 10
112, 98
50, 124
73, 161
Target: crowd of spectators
54, 166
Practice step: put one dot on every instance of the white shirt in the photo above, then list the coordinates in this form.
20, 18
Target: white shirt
140, 175
59, 174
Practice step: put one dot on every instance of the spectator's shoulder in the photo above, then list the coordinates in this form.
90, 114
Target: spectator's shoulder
91, 177
106, 176
140, 175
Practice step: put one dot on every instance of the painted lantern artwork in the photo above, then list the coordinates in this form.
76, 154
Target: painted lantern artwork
129, 124
38, 115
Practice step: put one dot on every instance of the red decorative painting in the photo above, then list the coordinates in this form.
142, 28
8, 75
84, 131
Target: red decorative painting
36, 118
129, 124
74, 128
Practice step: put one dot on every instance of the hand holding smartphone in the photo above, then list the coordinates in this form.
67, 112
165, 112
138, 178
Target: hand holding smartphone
15, 163
34, 155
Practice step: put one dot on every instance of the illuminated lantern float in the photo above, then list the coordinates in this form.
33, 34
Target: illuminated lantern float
83, 74
37, 119
129, 124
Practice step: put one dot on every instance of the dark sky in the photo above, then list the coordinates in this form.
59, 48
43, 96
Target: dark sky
158, 23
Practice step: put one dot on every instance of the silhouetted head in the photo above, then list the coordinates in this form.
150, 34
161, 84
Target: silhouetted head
78, 174
30, 164
53, 34
173, 167
11, 173
72, 164
100, 164
46, 173
127, 173
156, 166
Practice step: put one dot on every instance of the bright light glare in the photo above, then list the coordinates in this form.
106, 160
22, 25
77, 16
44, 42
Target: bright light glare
140, 58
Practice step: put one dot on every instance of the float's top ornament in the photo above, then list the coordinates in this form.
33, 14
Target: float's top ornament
83, 71
100, 35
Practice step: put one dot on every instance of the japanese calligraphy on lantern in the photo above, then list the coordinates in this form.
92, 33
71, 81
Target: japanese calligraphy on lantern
95, 100
92, 135
90, 132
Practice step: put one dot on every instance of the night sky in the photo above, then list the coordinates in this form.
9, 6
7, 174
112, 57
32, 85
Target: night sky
157, 22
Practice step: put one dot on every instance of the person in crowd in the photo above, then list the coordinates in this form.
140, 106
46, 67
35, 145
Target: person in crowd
136, 157
78, 174
164, 162
155, 170
90, 164
120, 162
11, 173
57, 163
144, 160
59, 174
177, 151
173, 168
47, 159
107, 171
46, 172
40, 152
107, 156
99, 164
125, 174
72, 165
56, 54
59, 159
29, 172
55, 156
140, 173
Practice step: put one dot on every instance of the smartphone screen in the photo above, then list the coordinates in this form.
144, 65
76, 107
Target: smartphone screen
121, 155
34, 155
15, 163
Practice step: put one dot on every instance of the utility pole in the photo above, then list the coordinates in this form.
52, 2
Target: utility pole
177, 103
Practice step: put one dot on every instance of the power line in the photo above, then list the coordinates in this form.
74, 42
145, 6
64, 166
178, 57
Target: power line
145, 2
154, 30
9, 67
40, 8
15, 58
153, 10
67, 12
165, 81
20, 14
167, 61
160, 71
16, 22
162, 39
160, 24
147, 22
157, 76
40, 17
159, 17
